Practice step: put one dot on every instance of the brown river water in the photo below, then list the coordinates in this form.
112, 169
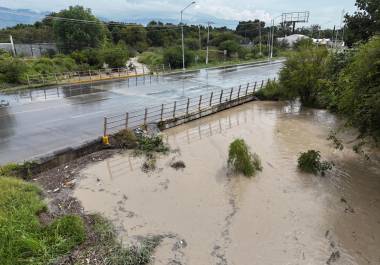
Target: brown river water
210, 216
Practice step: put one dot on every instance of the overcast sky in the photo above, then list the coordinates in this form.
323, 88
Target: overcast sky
323, 12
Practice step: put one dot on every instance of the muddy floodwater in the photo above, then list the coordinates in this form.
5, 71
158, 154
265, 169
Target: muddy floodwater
209, 216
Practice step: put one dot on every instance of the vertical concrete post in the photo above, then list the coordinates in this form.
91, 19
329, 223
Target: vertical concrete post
126, 120
105, 127
187, 106
239, 92
174, 108
232, 90
221, 96
145, 116
162, 111
254, 88
200, 102
212, 93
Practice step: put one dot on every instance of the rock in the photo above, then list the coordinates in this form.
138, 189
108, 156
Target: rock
56, 190
69, 184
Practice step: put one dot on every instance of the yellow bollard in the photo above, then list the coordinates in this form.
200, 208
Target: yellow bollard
106, 140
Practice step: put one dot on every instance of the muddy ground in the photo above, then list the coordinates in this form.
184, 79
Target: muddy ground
209, 215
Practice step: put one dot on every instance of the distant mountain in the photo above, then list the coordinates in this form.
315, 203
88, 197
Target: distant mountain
11, 17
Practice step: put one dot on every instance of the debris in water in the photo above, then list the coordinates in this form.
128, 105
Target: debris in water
334, 257
178, 165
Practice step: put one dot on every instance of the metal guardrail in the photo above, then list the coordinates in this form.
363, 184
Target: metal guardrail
179, 109
94, 75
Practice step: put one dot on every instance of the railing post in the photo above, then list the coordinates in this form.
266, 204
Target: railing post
56, 79
246, 90
232, 90
174, 108
254, 88
100, 74
212, 93
27, 77
118, 71
143, 70
105, 127
126, 120
221, 95
262, 84
162, 111
239, 92
89, 73
146, 116
187, 106
200, 102
43, 79
274, 79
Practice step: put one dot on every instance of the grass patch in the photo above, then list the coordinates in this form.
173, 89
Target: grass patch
242, 160
310, 162
23, 239
24, 170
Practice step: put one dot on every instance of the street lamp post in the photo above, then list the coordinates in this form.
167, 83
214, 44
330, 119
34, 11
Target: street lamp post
183, 45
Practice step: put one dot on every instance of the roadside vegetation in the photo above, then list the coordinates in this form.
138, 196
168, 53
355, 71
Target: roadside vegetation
310, 162
23, 238
242, 160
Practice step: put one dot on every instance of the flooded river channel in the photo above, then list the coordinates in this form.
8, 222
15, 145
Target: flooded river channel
209, 216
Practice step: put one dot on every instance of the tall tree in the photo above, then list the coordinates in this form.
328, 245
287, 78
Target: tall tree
77, 28
364, 23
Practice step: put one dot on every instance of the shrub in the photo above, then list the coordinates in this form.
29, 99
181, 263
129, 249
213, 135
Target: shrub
230, 46
125, 139
115, 56
24, 170
310, 162
13, 70
151, 58
152, 144
271, 91
173, 56
241, 159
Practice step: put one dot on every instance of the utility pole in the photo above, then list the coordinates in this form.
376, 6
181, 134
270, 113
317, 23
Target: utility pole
200, 41
208, 39
272, 29
260, 36
183, 44
13, 45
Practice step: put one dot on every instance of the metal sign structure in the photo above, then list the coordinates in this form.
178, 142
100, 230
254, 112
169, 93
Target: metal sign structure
294, 17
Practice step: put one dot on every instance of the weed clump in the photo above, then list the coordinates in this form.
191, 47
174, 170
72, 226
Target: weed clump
107, 245
125, 139
310, 162
153, 143
242, 160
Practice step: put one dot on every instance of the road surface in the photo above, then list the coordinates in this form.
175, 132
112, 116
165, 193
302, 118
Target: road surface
38, 122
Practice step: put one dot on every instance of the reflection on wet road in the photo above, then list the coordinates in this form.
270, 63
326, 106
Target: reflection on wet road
44, 120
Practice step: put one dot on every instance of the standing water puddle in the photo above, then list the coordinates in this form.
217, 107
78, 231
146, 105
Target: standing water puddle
281, 216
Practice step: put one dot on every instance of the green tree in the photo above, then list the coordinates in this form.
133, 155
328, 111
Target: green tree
230, 46
71, 34
302, 73
364, 23
135, 36
359, 86
116, 56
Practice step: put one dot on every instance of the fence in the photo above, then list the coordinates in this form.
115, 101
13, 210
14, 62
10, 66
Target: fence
183, 110
94, 75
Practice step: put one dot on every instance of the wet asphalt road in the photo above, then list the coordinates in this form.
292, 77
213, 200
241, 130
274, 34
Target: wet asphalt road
39, 122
